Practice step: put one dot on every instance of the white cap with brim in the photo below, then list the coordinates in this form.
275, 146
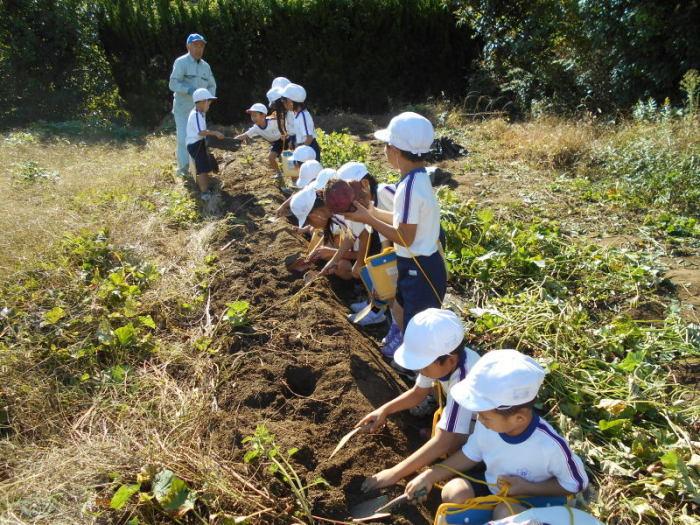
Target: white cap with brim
408, 132
302, 203
352, 171
258, 107
294, 92
202, 94
430, 334
281, 83
500, 379
323, 177
274, 94
304, 153
308, 172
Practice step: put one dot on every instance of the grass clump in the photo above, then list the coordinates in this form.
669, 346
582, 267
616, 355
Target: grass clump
659, 167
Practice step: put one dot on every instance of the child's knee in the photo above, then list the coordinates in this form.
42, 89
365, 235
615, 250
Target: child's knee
503, 510
457, 490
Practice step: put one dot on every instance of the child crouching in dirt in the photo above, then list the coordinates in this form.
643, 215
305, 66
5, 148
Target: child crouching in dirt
521, 451
196, 144
434, 346
358, 240
267, 128
311, 211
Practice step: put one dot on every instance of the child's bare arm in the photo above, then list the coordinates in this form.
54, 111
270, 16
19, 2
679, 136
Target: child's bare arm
407, 400
208, 133
440, 444
425, 480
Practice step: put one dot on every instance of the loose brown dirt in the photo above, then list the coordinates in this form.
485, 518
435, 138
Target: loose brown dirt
301, 368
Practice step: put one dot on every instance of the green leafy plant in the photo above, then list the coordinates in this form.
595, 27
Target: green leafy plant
262, 448
236, 314
339, 148
170, 492
30, 172
690, 85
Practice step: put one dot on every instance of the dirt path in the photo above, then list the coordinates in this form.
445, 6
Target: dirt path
303, 370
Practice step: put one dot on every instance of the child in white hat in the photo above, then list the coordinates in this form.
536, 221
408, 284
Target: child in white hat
521, 451
284, 118
294, 98
414, 224
195, 139
434, 346
267, 128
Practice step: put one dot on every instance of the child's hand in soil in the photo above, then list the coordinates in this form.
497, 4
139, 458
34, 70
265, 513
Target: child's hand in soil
320, 253
360, 214
380, 480
218, 135
376, 419
419, 487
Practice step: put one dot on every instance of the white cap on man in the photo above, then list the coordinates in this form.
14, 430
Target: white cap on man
294, 92
280, 83
302, 203
323, 177
202, 94
308, 173
430, 334
500, 379
274, 94
303, 153
257, 107
352, 171
409, 132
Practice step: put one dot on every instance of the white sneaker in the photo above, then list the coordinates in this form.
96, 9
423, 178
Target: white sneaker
359, 306
372, 318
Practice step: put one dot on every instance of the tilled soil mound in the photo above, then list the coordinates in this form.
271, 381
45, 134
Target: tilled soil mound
301, 369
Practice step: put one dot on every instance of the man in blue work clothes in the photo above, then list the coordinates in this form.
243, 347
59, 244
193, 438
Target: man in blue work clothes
190, 72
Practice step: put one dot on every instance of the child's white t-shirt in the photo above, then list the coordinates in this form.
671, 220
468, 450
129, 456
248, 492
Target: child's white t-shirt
289, 123
415, 203
270, 132
385, 196
385, 201
536, 455
196, 122
303, 126
454, 418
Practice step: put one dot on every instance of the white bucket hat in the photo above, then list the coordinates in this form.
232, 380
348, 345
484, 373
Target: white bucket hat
302, 203
430, 334
308, 172
280, 83
500, 379
273, 94
294, 92
202, 94
323, 177
304, 153
408, 132
352, 171
257, 107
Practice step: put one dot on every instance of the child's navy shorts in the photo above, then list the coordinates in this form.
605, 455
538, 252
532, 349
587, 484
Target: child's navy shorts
198, 151
317, 149
413, 291
276, 146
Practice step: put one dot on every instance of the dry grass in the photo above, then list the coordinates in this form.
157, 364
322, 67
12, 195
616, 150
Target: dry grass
69, 446
98, 185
